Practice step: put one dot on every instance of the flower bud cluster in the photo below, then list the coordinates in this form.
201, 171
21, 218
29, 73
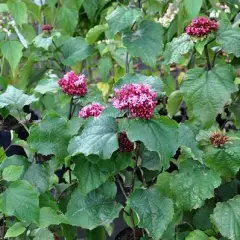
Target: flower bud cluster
91, 110
73, 84
138, 99
201, 27
125, 145
169, 16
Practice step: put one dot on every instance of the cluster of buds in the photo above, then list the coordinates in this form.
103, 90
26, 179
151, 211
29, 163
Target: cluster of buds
125, 145
73, 84
218, 139
47, 28
4, 23
91, 110
138, 99
201, 27
169, 16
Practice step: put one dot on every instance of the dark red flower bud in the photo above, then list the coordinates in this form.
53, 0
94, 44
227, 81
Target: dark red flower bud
47, 28
125, 145
218, 139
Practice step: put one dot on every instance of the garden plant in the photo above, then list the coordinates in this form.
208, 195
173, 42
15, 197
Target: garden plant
120, 113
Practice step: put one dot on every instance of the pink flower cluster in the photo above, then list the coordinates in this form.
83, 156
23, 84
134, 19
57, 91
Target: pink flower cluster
73, 84
91, 110
124, 143
138, 99
201, 27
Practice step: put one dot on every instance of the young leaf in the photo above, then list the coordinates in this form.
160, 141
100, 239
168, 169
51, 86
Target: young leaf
15, 98
229, 38
122, 18
208, 91
43, 234
193, 184
75, 50
95, 32
19, 11
178, 47
198, 235
15, 230
146, 42
12, 51
48, 217
193, 7
174, 102
160, 135
98, 208
12, 173
226, 217
21, 200
97, 134
154, 210
67, 19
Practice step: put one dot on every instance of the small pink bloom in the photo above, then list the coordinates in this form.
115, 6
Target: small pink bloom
138, 99
201, 27
91, 110
73, 84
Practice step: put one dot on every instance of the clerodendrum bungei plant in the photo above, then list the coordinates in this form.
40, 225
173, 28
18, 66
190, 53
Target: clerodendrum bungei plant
125, 110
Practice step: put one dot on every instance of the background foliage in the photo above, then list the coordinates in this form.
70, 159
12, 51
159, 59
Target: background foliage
178, 183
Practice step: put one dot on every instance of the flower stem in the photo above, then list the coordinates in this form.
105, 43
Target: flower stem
207, 58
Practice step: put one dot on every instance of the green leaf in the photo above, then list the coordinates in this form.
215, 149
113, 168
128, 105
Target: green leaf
122, 18
150, 160
94, 33
158, 135
51, 136
97, 134
93, 7
12, 173
12, 51
208, 91
201, 219
15, 160
18, 10
43, 234
146, 42
105, 65
67, 19
178, 47
198, 235
193, 7
15, 230
15, 98
48, 217
155, 82
98, 208
229, 38
3, 7
2, 154
188, 143
154, 210
174, 102
21, 200
43, 41
225, 161
47, 86
193, 184
37, 176
91, 174
226, 217
75, 50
